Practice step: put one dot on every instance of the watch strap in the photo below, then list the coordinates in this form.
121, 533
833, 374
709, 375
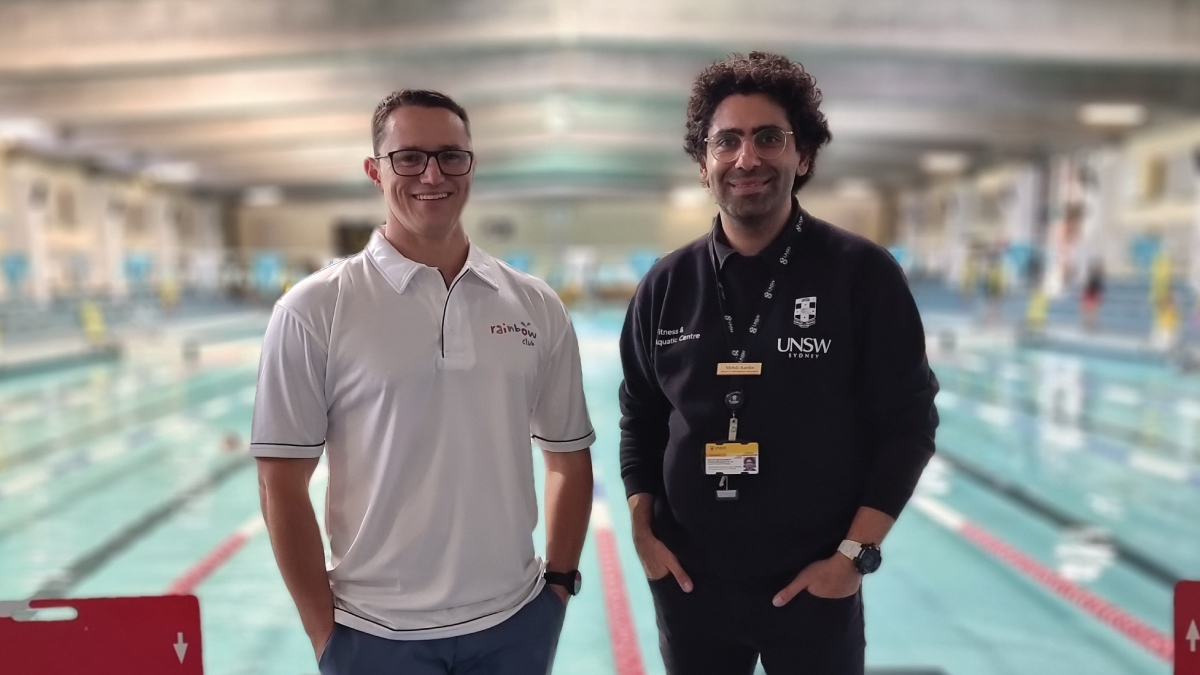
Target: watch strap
568, 580
850, 549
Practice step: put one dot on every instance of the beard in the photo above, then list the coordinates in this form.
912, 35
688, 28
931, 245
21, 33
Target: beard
755, 209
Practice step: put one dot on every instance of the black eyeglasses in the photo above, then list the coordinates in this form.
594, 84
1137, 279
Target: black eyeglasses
768, 144
414, 162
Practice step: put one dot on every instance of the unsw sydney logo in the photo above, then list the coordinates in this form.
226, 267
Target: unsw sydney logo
522, 328
806, 312
804, 348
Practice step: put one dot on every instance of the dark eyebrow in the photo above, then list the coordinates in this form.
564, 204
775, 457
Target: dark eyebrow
451, 146
738, 132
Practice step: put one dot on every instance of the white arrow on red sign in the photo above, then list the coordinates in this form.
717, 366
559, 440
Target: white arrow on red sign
181, 647
1192, 636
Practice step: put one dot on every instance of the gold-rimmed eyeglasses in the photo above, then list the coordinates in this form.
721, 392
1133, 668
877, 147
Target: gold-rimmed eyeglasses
767, 143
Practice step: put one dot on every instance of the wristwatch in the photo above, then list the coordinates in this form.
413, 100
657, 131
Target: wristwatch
572, 581
866, 557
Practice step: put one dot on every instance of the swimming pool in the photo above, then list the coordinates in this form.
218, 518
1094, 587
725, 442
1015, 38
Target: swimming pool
129, 478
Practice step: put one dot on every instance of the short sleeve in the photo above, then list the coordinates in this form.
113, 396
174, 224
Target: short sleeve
290, 413
560, 421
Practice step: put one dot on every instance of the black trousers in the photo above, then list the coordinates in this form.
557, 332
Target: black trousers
724, 626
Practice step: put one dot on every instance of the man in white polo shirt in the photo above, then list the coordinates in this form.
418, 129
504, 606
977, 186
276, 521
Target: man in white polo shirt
421, 367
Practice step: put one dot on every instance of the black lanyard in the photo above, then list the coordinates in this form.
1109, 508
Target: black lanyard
736, 398
790, 236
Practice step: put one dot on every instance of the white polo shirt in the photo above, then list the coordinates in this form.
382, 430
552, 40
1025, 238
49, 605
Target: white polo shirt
425, 399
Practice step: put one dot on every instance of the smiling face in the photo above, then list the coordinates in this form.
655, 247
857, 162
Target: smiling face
748, 188
428, 205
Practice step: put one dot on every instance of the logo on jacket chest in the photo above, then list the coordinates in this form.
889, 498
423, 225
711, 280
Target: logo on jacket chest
806, 312
670, 336
803, 348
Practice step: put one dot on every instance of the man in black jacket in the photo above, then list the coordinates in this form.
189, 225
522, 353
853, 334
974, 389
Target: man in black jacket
767, 448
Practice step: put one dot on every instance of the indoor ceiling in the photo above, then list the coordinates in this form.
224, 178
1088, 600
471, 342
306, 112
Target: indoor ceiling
569, 96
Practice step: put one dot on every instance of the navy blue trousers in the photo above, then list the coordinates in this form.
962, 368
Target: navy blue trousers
523, 645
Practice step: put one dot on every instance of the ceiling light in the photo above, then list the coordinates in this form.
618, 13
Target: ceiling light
26, 130
263, 195
690, 197
855, 188
1112, 114
558, 115
121, 162
172, 172
944, 163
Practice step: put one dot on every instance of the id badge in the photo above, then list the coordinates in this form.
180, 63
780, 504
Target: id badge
730, 459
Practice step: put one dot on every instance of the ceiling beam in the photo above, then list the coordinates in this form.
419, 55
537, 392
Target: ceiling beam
39, 38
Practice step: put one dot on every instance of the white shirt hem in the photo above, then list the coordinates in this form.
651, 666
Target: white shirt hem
483, 623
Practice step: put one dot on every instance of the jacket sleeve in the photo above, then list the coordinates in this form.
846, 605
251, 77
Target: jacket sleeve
644, 407
897, 387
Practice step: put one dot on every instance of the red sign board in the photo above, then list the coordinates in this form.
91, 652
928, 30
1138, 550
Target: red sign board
1187, 628
108, 636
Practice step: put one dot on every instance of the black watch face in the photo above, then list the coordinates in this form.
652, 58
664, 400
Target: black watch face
868, 560
578, 583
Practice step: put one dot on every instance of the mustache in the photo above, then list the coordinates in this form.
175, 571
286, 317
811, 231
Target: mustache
758, 173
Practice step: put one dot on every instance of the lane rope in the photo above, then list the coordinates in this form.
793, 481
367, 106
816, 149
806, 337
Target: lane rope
627, 655
1145, 636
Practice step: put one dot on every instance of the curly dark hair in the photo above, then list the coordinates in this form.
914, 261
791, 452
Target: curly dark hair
784, 81
424, 98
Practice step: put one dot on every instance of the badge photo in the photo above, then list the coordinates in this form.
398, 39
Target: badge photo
731, 459
806, 312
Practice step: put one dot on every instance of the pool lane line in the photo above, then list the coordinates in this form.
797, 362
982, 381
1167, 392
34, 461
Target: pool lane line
1094, 442
1117, 389
195, 575
201, 570
1014, 492
61, 583
95, 459
1100, 431
627, 655
95, 355
1157, 643
69, 396
97, 483
78, 461
101, 453
143, 414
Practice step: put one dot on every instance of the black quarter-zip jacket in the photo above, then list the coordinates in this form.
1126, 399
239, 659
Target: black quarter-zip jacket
843, 411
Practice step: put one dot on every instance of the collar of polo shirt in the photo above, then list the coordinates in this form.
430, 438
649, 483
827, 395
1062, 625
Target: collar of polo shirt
399, 270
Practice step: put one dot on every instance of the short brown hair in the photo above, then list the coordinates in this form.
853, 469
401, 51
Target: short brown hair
783, 81
424, 98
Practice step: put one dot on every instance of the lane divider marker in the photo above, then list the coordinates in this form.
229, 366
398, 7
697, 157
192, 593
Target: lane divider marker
195, 575
627, 655
1094, 441
1145, 636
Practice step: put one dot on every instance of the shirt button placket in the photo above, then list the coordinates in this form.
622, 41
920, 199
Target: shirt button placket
456, 317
